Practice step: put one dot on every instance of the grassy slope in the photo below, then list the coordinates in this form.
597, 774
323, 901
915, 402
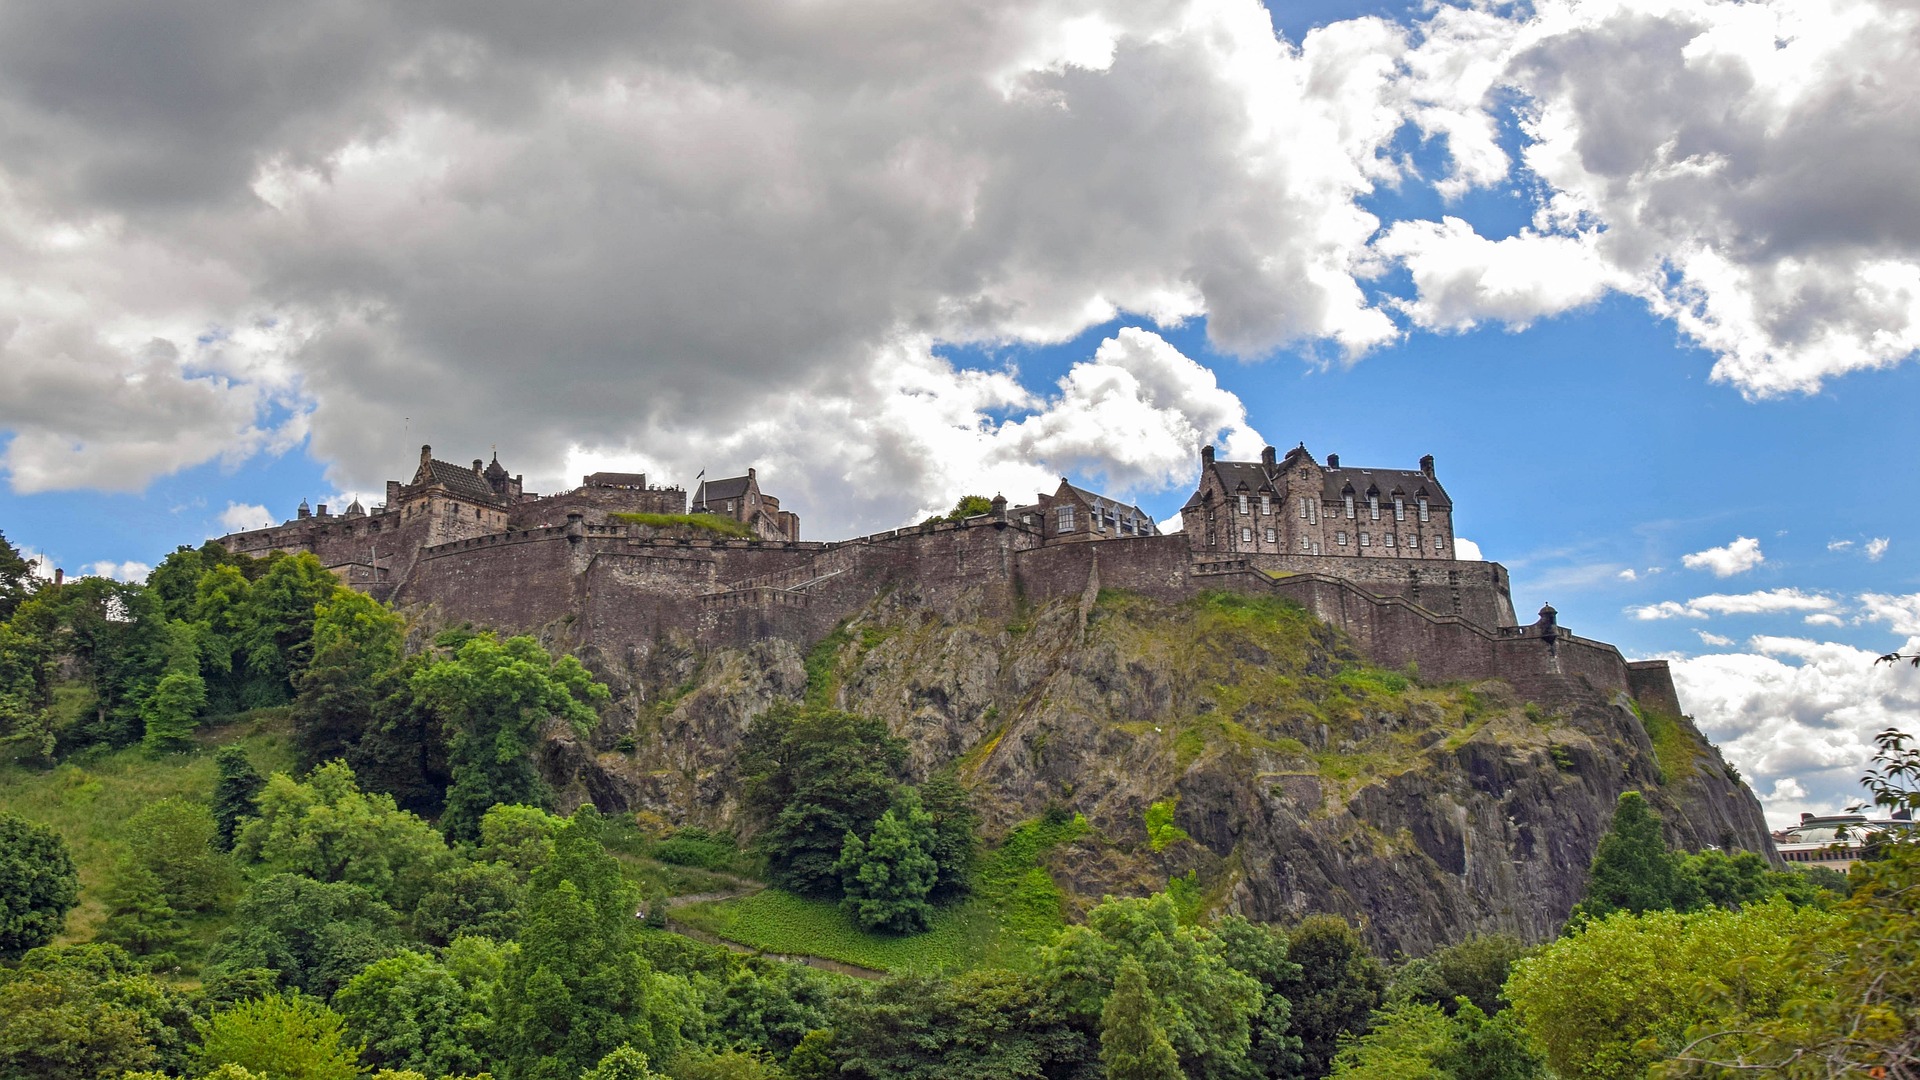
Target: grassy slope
1014, 910
89, 801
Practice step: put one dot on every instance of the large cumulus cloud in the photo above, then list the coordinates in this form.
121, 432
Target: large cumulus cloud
656, 229
1744, 167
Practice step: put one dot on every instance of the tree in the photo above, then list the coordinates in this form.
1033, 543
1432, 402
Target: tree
954, 840
327, 829
87, 1011
356, 653
172, 711
1206, 1006
139, 919
968, 506
315, 935
1415, 1041
1621, 992
412, 1012
980, 1025
1132, 1044
623, 1063
276, 637
888, 876
16, 578
1633, 868
578, 987
38, 884
177, 841
1339, 986
811, 776
236, 786
1260, 952
283, 1036
495, 696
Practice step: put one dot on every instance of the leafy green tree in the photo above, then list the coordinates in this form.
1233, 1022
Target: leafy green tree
1418, 1041
87, 1011
28, 663
623, 1063
327, 829
236, 787
172, 711
139, 919
16, 578
1474, 969
1132, 1044
1205, 1005
282, 1036
1260, 952
1620, 994
1488, 1049
356, 651
1339, 985
764, 1004
177, 841
579, 987
103, 635
811, 776
314, 935
968, 506
954, 843
981, 1025
495, 696
276, 637
472, 898
174, 584
38, 884
412, 1012
222, 617
1633, 868
888, 876
725, 1065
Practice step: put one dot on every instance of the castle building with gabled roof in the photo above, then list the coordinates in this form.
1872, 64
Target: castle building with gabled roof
1297, 506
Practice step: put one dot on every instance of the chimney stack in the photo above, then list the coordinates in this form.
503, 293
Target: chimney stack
426, 454
1267, 458
1426, 466
1333, 461
59, 576
478, 466
1206, 455
320, 511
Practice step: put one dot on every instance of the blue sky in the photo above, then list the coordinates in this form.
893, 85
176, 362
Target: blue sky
1546, 244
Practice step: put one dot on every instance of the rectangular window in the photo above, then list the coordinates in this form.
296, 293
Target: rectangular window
1306, 544
1423, 509
1373, 507
1366, 539
1439, 544
1349, 501
1340, 538
1399, 508
1266, 504
1066, 519
1246, 535
1273, 536
1303, 508
1243, 504
1389, 539
1313, 511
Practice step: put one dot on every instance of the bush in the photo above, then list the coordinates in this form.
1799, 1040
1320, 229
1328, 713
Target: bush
38, 885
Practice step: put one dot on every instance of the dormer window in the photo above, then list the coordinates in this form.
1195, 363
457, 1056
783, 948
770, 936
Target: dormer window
1066, 520
1348, 499
1399, 508
1243, 504
1423, 508
1373, 506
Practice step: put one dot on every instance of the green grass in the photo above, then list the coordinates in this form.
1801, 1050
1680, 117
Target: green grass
1673, 748
89, 800
1015, 909
713, 523
823, 667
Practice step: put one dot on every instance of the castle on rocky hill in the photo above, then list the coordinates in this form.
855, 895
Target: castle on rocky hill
1368, 550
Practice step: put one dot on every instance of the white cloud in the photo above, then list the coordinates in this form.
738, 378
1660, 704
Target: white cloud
1628, 575
1768, 602
1824, 619
1707, 638
120, 571
1839, 545
1463, 278
1797, 716
1900, 613
1735, 558
1467, 550
1742, 166
1877, 547
239, 517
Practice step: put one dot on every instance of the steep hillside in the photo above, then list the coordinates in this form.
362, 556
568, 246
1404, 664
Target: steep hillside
1287, 774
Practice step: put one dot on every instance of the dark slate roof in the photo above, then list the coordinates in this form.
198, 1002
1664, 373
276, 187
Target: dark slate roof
495, 471
1232, 475
617, 479
458, 479
733, 487
1409, 482
1101, 502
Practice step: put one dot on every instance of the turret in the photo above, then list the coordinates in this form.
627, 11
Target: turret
304, 512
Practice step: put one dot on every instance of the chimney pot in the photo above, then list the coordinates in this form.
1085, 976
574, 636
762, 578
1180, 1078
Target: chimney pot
320, 511
59, 576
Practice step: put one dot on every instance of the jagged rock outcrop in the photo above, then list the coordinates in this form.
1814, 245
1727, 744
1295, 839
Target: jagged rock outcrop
1304, 779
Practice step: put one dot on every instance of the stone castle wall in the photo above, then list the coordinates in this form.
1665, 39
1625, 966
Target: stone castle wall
621, 590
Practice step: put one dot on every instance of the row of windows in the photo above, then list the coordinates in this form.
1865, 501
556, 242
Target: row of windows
1310, 508
1340, 538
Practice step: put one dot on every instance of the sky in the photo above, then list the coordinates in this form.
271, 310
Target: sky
1643, 275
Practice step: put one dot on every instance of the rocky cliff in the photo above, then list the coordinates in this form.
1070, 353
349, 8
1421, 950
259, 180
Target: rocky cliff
1303, 778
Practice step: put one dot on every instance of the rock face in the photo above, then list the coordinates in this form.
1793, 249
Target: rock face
1304, 779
